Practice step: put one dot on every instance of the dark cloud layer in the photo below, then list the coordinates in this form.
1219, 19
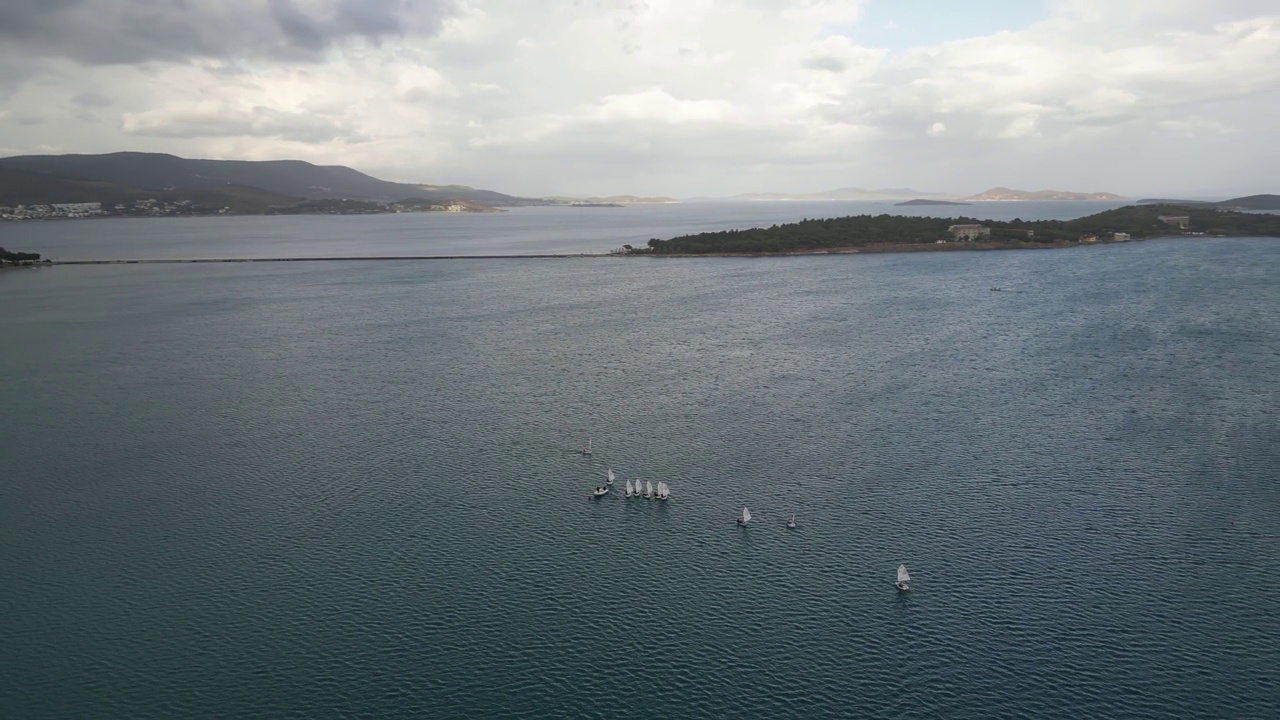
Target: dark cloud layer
133, 31
264, 122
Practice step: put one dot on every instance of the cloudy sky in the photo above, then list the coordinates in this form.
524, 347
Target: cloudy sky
674, 97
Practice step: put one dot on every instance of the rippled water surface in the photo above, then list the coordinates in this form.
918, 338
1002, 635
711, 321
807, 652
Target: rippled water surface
516, 231
350, 489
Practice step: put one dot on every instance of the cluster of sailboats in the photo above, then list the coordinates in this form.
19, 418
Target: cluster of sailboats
663, 491
647, 491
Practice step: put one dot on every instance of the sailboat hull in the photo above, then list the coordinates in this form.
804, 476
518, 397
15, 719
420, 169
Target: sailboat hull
903, 586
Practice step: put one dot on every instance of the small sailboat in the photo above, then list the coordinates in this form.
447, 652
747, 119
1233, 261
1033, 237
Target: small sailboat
599, 491
586, 450
611, 475
664, 491
648, 488
904, 578
745, 517
629, 488
791, 522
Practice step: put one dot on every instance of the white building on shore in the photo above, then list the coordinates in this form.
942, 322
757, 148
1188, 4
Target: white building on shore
969, 232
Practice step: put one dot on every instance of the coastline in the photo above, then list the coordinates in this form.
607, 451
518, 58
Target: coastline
858, 250
932, 247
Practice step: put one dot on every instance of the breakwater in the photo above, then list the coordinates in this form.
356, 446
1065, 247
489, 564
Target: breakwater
172, 261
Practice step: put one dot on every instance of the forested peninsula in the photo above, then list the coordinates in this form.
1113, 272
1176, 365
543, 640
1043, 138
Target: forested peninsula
897, 233
10, 258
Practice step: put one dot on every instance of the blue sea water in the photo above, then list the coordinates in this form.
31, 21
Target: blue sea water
351, 489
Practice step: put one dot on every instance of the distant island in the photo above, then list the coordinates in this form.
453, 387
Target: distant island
898, 233
610, 200
845, 194
916, 197
1006, 194
922, 201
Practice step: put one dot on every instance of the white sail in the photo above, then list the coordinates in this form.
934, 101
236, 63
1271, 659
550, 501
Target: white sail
902, 574
628, 487
611, 476
746, 516
664, 492
648, 488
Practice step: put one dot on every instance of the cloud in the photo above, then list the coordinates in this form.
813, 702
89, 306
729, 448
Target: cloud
260, 121
24, 118
662, 96
658, 106
91, 99
133, 31
825, 62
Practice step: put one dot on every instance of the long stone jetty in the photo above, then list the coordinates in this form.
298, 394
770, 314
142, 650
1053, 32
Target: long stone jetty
175, 261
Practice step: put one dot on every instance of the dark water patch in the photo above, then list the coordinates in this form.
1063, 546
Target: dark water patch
311, 490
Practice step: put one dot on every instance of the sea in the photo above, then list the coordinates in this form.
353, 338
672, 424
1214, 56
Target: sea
353, 489
515, 231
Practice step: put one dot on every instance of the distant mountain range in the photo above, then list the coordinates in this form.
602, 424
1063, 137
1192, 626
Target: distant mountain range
258, 186
246, 185
1248, 202
612, 200
861, 194
848, 193
921, 201
1005, 194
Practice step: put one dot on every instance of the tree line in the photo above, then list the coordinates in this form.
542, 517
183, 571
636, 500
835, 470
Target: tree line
18, 258
1138, 221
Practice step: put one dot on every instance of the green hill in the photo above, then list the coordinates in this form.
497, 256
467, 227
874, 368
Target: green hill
1138, 221
1253, 202
19, 187
156, 172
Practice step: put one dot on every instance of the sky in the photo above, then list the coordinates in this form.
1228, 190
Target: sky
1175, 98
